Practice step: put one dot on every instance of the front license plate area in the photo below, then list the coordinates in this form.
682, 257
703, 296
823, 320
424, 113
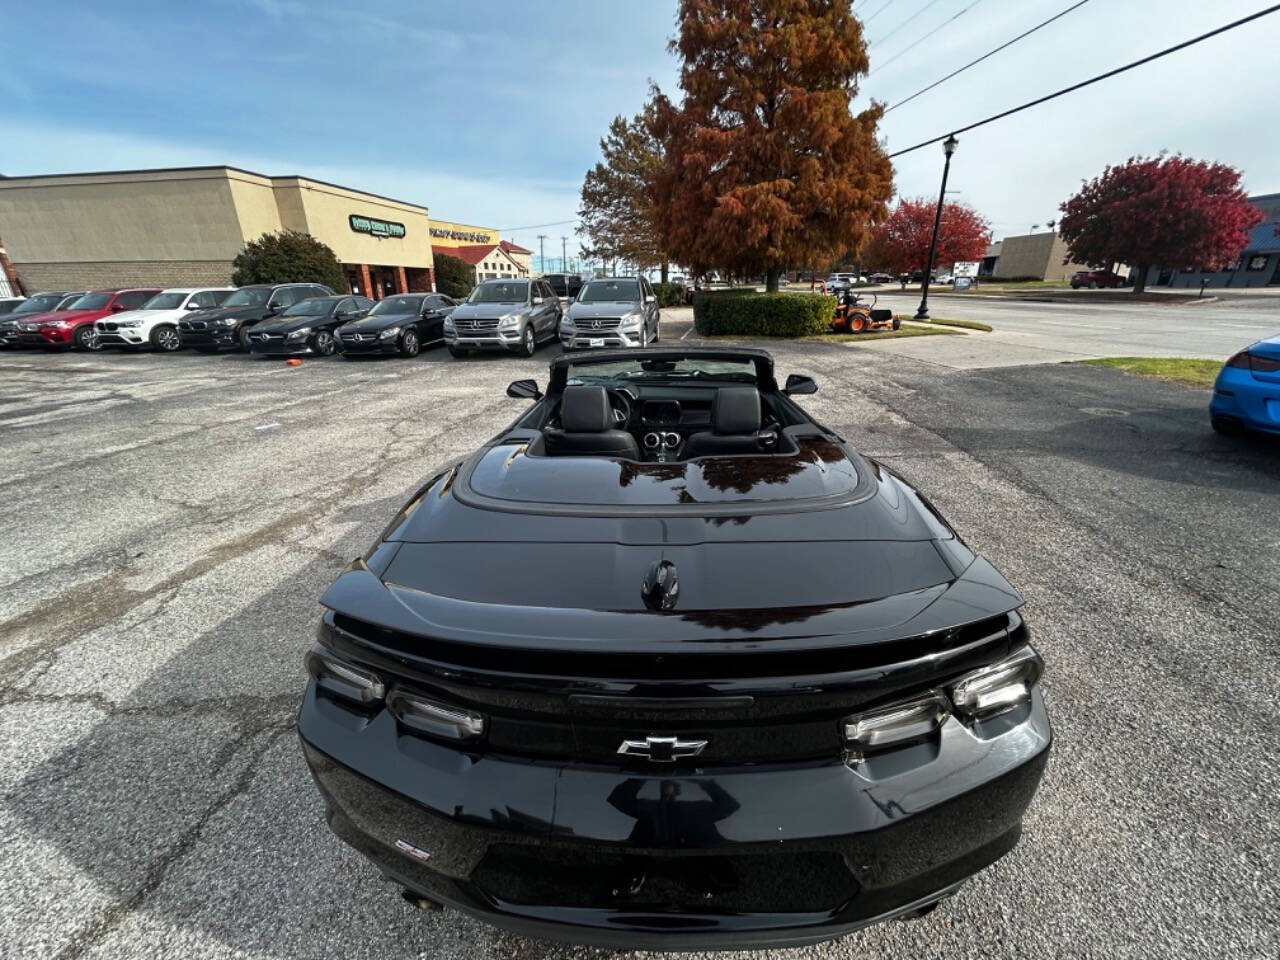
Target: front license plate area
597, 341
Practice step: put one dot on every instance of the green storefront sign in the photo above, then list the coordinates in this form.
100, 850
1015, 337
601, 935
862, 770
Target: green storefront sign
378, 228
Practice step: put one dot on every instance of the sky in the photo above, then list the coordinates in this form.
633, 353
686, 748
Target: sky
490, 112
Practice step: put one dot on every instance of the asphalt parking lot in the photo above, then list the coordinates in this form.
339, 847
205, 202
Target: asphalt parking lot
171, 520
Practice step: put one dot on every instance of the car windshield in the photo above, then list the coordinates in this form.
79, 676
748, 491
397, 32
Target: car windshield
309, 308
506, 292
610, 291
90, 301
248, 297
396, 306
39, 304
685, 368
164, 301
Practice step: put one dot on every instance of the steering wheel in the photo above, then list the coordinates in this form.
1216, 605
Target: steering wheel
621, 408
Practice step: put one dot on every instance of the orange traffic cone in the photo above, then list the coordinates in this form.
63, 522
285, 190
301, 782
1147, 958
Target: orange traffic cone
293, 362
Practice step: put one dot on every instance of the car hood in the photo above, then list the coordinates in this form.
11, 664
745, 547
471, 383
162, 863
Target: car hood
226, 313
80, 316
380, 322
486, 311
289, 324
145, 315
585, 311
876, 570
37, 317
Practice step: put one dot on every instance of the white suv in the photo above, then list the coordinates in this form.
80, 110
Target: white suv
155, 323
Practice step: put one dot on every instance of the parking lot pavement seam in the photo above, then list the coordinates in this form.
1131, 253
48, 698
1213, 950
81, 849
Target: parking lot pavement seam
112, 916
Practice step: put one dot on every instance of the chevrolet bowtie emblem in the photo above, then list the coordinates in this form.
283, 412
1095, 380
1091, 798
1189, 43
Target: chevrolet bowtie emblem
662, 749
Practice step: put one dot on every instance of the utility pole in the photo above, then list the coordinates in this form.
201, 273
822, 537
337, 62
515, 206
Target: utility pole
542, 253
564, 253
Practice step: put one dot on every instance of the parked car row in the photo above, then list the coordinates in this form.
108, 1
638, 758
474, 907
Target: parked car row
293, 319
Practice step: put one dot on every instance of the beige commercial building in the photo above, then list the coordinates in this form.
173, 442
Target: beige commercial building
1039, 255
185, 226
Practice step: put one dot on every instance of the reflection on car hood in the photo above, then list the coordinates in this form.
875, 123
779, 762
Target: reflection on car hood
289, 324
586, 311
226, 313
486, 311
380, 322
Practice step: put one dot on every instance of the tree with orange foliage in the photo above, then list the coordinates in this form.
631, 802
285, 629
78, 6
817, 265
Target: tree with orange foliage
766, 165
901, 243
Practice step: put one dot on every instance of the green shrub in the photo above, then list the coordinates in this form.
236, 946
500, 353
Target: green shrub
669, 294
454, 277
289, 256
723, 313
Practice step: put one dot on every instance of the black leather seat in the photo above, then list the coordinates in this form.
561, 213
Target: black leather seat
586, 417
735, 425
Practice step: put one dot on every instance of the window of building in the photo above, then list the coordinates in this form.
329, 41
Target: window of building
1258, 262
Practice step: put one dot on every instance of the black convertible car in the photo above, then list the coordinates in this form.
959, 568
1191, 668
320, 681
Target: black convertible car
668, 664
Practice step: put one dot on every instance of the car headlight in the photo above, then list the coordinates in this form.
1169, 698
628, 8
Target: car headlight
631, 320
448, 323
566, 324
511, 320
389, 333
300, 334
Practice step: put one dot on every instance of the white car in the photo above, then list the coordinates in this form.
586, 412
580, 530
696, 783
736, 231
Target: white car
155, 323
943, 278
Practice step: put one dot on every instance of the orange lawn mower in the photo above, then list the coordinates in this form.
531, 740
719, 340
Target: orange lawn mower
854, 316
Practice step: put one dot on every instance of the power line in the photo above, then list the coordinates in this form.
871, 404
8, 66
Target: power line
536, 226
991, 53
1092, 80
912, 46
906, 21
878, 12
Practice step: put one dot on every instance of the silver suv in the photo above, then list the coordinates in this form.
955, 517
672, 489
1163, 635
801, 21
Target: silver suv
611, 312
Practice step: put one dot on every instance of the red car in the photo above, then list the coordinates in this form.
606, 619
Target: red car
73, 325
1093, 279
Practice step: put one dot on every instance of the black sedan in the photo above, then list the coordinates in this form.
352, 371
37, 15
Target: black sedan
402, 324
307, 327
668, 664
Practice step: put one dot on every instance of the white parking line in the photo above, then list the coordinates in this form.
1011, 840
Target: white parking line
267, 426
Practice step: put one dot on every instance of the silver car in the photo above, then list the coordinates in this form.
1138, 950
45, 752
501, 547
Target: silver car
611, 312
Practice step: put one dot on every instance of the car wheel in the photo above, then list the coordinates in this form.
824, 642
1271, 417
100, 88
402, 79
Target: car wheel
656, 327
897, 321
529, 342
243, 336
86, 338
325, 345
409, 344
166, 338
458, 352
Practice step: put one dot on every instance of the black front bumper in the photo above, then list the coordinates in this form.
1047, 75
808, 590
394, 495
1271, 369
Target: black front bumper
676, 857
369, 346
209, 337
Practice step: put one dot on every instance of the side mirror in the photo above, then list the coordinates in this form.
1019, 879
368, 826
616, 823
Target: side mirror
117, 308
273, 308
798, 384
537, 301
192, 306
524, 390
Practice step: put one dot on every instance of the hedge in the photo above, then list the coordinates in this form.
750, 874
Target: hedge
669, 294
719, 313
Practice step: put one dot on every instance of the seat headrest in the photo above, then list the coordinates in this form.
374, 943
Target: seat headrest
585, 409
736, 410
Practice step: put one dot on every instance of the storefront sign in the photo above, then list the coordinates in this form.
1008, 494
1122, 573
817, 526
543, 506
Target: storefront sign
378, 228
471, 236
965, 268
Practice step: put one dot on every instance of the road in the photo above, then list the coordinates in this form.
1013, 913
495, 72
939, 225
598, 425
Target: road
170, 521
1034, 332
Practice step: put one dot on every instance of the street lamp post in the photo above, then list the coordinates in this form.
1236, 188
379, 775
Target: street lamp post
948, 147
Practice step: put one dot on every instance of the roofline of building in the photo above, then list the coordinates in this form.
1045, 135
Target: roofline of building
219, 166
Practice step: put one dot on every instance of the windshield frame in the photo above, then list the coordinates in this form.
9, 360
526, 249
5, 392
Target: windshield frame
473, 297
635, 284
263, 292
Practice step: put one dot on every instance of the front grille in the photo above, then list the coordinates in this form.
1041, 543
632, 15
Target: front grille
265, 337
192, 325
598, 323
108, 326
814, 882
469, 324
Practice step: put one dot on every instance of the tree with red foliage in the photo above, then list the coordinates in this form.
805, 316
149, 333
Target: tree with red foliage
901, 243
766, 165
1159, 211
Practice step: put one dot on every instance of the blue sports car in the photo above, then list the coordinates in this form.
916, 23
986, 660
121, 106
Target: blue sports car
1247, 392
